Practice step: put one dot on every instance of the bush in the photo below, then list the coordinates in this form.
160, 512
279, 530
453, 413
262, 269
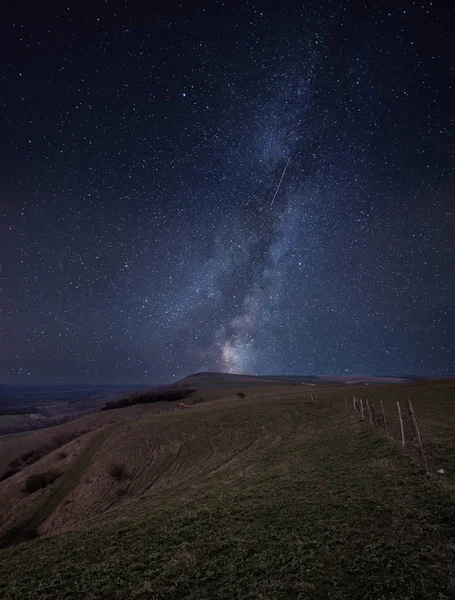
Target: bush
9, 473
30, 534
33, 483
118, 472
148, 398
241, 394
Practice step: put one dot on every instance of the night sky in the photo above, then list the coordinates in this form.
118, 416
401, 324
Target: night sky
253, 187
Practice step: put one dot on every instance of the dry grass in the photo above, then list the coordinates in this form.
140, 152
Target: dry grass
152, 444
45, 441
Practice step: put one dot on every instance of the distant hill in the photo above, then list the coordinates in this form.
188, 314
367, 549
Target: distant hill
225, 380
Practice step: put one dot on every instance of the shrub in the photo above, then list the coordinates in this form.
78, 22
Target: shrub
30, 534
26, 456
118, 472
62, 455
9, 473
148, 398
33, 483
32, 457
241, 394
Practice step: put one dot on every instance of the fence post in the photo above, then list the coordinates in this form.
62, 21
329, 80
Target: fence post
346, 402
353, 402
374, 414
401, 425
362, 416
384, 419
369, 411
415, 427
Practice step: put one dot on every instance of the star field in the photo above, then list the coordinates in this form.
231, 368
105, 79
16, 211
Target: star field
244, 188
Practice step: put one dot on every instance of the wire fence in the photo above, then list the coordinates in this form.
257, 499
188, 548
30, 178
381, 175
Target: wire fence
405, 422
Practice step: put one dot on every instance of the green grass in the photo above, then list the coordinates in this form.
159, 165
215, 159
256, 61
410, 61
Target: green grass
283, 499
434, 406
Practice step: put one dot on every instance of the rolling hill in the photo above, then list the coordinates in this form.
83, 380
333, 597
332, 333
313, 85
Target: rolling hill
263, 488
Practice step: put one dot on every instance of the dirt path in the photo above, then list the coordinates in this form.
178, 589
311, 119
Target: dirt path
58, 492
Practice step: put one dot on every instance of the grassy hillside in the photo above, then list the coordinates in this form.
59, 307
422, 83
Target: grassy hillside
267, 496
44, 440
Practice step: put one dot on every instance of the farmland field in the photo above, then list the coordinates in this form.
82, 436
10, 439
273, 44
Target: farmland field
275, 495
5, 419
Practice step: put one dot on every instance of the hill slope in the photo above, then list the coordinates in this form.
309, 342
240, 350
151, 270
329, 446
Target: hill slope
270, 496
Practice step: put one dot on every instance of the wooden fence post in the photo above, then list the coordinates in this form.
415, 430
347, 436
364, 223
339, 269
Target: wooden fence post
401, 425
362, 416
415, 427
384, 419
374, 414
353, 402
369, 411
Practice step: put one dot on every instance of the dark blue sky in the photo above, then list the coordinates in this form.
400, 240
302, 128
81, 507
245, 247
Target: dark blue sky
141, 150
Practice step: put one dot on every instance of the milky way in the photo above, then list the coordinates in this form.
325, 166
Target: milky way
241, 189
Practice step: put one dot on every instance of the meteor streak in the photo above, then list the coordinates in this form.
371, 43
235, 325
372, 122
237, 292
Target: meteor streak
68, 323
279, 183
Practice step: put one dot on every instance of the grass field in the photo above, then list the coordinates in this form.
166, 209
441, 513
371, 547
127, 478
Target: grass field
268, 497
8, 419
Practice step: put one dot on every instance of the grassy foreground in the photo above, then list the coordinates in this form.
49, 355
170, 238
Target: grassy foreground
266, 498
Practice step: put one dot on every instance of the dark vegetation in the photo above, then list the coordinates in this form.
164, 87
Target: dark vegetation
28, 458
9, 472
33, 483
30, 534
118, 472
32, 456
149, 398
241, 394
